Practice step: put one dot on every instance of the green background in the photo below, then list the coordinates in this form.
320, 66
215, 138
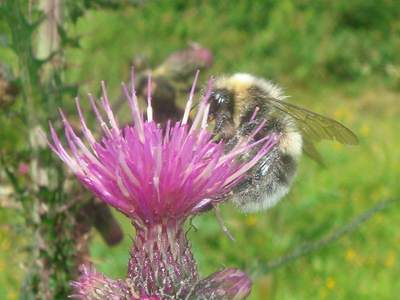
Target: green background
338, 58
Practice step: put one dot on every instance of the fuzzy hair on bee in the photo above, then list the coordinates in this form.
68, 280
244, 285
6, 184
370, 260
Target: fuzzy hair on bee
238, 104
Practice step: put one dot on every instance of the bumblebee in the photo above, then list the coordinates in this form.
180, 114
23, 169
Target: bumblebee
238, 104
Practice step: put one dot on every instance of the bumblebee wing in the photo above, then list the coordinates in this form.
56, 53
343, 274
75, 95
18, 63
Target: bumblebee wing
312, 152
315, 126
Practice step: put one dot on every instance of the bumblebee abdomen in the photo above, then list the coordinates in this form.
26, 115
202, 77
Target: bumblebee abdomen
267, 182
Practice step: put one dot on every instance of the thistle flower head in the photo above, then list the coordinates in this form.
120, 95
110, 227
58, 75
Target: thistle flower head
154, 174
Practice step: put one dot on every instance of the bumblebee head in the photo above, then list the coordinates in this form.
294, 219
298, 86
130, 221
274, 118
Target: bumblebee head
221, 110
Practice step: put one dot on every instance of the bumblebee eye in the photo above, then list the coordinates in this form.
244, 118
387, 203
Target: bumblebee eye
219, 101
219, 98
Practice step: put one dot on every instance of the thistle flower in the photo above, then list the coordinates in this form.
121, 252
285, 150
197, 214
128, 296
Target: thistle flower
158, 177
23, 168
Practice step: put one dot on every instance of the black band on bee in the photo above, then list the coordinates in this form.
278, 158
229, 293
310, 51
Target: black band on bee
288, 169
256, 98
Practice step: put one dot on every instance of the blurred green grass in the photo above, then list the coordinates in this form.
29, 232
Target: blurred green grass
340, 59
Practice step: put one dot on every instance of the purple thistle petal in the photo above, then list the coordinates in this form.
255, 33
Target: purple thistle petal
149, 108
100, 120
86, 131
190, 100
107, 108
